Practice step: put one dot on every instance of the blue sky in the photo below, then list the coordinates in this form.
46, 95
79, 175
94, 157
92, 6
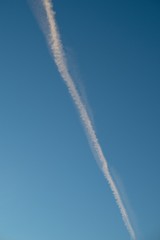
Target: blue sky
51, 186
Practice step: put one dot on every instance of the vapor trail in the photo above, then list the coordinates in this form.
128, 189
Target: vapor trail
59, 58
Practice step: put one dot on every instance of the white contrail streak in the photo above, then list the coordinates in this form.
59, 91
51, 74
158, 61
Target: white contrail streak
59, 58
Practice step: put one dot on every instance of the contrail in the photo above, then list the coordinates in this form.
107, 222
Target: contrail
59, 58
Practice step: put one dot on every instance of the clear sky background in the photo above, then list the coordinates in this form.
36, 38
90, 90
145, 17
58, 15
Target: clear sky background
50, 184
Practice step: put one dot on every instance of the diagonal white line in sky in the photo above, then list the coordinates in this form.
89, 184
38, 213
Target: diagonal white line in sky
59, 58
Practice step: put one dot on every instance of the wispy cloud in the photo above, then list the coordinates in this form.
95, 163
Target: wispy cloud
57, 51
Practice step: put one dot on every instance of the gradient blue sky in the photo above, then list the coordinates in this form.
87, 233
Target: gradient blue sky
50, 184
